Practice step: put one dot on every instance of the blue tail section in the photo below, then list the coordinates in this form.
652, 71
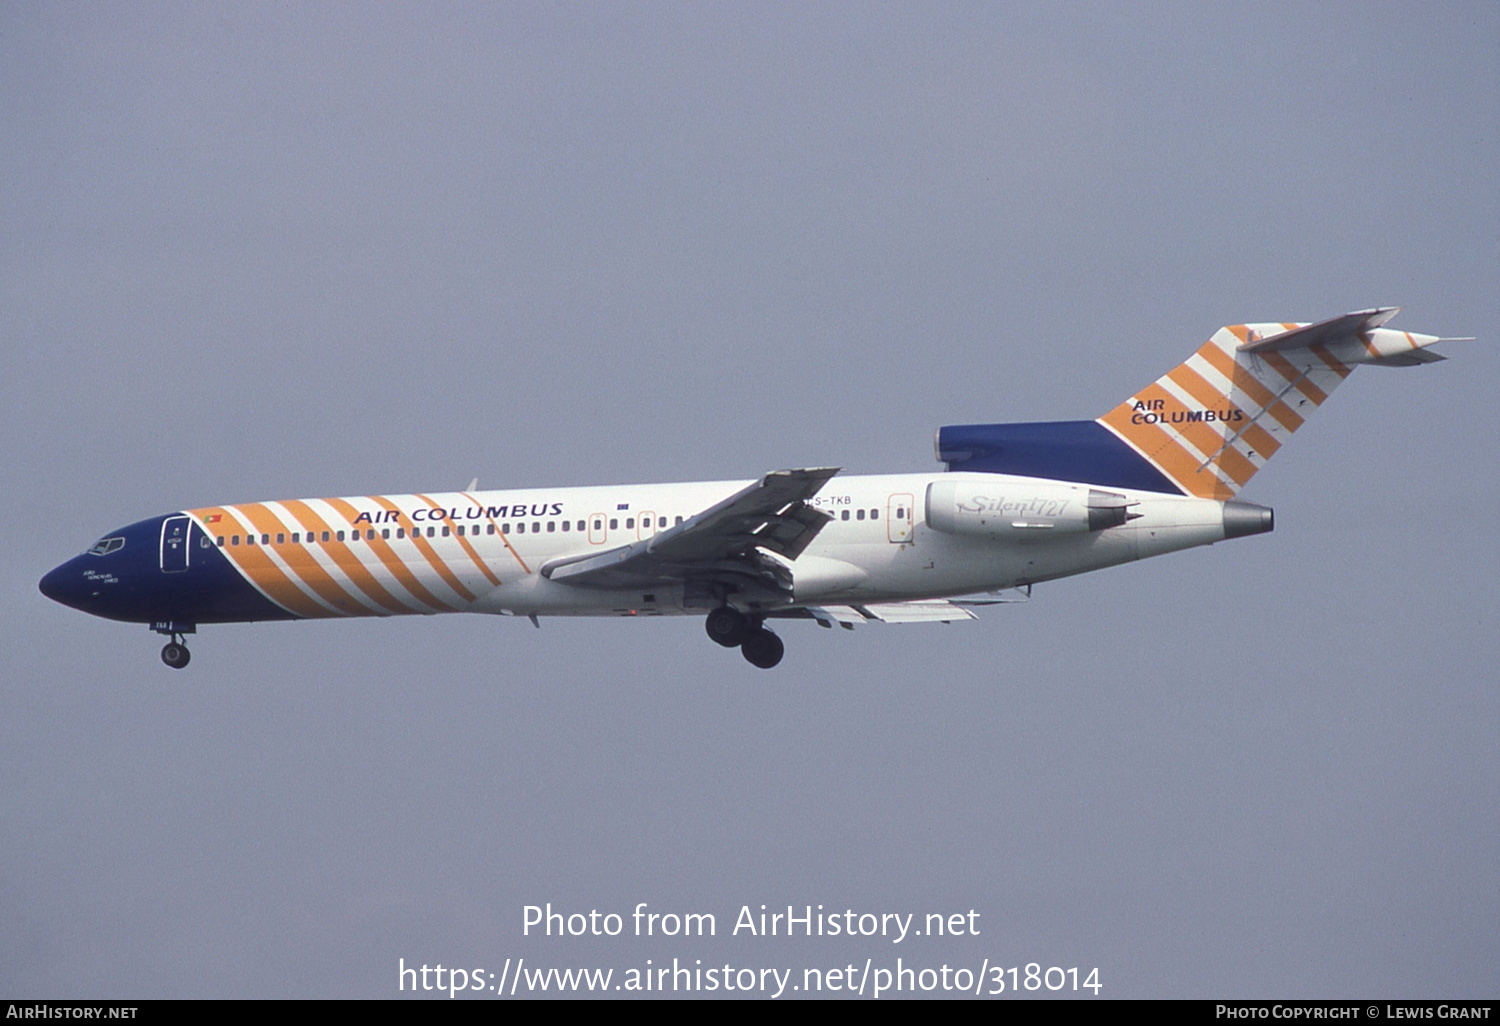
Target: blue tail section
1063, 450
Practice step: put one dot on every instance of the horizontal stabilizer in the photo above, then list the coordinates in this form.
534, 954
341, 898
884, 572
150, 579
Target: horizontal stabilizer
1324, 333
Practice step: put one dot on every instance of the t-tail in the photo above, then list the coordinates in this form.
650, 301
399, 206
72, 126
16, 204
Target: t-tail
1207, 426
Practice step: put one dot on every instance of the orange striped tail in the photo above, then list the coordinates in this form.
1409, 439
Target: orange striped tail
1211, 422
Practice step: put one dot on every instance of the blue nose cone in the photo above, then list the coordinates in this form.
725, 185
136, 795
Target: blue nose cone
68, 585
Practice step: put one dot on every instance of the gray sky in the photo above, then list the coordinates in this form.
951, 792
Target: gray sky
257, 251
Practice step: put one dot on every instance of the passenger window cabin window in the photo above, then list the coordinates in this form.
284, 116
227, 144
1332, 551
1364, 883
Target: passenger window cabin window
445, 530
874, 514
432, 532
614, 522
845, 515
460, 530
536, 527
679, 520
249, 539
505, 529
859, 514
629, 522
489, 528
325, 535
280, 538
400, 532
551, 526
661, 522
521, 528
385, 532
234, 539
219, 541
567, 524
581, 526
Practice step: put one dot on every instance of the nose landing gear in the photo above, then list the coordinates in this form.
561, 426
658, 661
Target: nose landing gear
175, 652
731, 628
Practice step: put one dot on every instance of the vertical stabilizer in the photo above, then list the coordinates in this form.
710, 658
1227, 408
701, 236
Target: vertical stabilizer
1210, 423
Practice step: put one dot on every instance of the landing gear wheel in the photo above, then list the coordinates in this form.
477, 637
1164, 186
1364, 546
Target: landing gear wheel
762, 648
175, 654
727, 626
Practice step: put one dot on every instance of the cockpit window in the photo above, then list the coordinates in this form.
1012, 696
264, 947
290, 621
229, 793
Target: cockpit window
104, 546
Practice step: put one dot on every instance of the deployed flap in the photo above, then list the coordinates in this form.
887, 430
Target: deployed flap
916, 611
717, 544
920, 611
844, 616
1324, 333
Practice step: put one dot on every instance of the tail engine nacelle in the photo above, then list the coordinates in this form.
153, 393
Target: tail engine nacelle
1008, 507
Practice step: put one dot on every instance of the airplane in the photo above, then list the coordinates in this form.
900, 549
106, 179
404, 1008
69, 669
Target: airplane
1016, 504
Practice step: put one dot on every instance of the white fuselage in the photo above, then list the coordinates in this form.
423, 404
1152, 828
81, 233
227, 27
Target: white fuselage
879, 546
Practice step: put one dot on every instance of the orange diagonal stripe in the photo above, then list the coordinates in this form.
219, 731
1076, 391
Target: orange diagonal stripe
394, 564
430, 554
302, 565
345, 558
1195, 385
1167, 454
1285, 368
1334, 363
504, 538
467, 546
261, 571
1253, 387
1204, 437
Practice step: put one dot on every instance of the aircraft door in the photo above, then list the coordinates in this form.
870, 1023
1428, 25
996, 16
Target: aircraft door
647, 526
597, 532
174, 544
899, 517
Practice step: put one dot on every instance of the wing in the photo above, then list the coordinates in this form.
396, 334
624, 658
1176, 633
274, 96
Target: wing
725, 544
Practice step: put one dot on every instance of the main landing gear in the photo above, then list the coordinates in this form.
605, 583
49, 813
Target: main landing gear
733, 629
